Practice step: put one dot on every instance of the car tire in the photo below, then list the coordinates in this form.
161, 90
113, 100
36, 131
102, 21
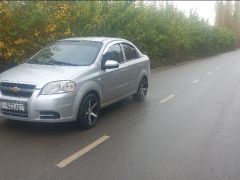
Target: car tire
142, 90
89, 111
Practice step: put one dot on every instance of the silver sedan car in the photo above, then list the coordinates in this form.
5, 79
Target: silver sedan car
72, 79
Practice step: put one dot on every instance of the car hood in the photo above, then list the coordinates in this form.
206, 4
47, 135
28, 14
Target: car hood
40, 75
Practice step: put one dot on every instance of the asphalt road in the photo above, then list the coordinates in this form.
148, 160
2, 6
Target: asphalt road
187, 129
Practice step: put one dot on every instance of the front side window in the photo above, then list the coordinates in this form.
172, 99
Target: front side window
71, 53
114, 53
130, 52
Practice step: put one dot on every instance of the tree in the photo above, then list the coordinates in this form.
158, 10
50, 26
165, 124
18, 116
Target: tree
219, 9
228, 15
236, 18
164, 32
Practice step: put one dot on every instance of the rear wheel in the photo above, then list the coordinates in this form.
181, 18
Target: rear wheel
89, 110
142, 90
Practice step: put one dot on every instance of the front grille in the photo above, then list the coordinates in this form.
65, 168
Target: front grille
13, 113
17, 89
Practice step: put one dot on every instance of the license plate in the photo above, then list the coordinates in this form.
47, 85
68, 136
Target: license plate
13, 105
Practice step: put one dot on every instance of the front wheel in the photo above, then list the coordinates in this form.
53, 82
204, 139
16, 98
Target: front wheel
142, 90
89, 110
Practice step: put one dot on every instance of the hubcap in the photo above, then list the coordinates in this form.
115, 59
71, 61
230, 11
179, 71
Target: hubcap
143, 88
91, 111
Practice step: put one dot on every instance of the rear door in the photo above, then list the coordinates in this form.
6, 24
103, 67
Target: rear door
133, 65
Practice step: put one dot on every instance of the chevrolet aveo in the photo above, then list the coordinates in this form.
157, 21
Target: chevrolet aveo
72, 79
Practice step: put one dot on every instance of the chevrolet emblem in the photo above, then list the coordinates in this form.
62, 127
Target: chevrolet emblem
14, 89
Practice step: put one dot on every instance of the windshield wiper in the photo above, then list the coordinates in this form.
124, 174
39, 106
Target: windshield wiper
36, 62
52, 61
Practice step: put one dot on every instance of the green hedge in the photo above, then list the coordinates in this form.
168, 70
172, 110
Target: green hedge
165, 33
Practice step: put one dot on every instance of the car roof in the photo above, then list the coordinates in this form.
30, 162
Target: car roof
98, 39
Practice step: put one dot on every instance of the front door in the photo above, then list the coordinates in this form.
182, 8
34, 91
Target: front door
114, 80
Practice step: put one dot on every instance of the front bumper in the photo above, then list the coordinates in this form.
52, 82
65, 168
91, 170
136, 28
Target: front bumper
61, 104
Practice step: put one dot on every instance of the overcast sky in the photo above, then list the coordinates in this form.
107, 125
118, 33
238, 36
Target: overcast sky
205, 9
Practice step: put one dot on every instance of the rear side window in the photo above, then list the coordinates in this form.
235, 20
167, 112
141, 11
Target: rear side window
114, 53
130, 52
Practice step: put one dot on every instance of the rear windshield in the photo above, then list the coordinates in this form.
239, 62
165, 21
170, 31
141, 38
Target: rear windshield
68, 53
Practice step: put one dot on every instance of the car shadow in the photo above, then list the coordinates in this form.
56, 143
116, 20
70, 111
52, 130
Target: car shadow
122, 110
37, 128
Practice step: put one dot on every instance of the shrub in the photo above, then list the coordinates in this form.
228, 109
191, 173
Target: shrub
165, 33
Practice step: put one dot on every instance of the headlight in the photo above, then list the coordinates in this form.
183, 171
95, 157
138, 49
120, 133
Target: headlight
59, 87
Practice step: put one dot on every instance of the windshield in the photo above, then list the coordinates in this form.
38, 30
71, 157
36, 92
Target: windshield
68, 53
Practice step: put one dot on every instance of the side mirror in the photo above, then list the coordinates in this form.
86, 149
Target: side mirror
111, 64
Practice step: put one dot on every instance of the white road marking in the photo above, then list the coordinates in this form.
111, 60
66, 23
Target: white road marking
81, 152
208, 73
167, 98
195, 81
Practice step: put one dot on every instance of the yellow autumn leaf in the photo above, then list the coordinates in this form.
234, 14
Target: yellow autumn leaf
36, 33
67, 32
1, 45
20, 41
51, 28
8, 54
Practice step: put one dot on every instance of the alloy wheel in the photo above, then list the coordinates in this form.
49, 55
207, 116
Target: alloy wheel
143, 88
91, 111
